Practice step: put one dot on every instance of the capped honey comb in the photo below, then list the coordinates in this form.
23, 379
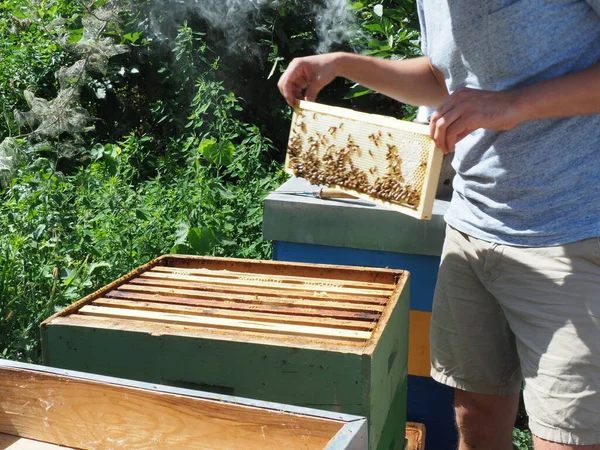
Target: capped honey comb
389, 161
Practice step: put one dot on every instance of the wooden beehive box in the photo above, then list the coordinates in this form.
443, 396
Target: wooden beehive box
378, 158
325, 337
43, 408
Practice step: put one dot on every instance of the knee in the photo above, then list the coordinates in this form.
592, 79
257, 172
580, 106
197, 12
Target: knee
481, 418
474, 424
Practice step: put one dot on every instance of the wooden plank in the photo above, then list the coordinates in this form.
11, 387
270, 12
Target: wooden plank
234, 291
430, 184
325, 379
284, 268
241, 306
311, 281
81, 323
224, 313
268, 300
376, 275
9, 442
224, 323
86, 414
268, 284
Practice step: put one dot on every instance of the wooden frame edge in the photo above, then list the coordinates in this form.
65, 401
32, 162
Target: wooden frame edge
286, 263
153, 387
375, 119
353, 436
434, 168
383, 321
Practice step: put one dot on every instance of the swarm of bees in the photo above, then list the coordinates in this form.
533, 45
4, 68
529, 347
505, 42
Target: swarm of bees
320, 160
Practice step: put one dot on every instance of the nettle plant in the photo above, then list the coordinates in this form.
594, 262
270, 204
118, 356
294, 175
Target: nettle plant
57, 121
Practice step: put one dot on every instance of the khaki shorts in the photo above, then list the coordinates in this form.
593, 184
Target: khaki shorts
505, 314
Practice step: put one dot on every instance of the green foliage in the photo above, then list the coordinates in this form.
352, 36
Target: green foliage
391, 30
31, 50
522, 440
67, 233
187, 139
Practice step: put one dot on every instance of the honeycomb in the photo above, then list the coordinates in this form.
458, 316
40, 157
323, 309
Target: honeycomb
374, 156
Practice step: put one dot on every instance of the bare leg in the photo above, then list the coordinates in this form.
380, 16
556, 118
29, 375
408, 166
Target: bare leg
485, 422
541, 444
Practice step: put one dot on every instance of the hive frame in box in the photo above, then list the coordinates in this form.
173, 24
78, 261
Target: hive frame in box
48, 418
434, 157
183, 355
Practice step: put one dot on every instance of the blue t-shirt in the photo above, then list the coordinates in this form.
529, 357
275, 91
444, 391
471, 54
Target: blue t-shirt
539, 183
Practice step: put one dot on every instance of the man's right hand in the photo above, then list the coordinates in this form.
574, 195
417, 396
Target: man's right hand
305, 77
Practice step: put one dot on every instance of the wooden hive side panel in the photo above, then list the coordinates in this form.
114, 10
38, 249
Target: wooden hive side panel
387, 366
382, 159
303, 377
88, 414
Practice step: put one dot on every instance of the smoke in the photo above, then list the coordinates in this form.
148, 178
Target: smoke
234, 18
335, 24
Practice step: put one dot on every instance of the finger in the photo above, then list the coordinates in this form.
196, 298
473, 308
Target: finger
450, 103
290, 90
292, 82
457, 97
313, 90
456, 132
441, 127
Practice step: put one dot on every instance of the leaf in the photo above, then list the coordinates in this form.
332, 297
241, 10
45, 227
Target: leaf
132, 37
202, 240
140, 214
181, 233
182, 249
357, 91
95, 266
374, 27
219, 153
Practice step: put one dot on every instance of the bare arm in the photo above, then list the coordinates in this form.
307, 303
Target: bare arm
570, 95
413, 81
467, 110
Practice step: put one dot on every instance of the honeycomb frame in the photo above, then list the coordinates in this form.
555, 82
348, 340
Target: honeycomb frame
388, 161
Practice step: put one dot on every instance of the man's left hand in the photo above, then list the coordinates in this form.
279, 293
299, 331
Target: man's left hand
467, 110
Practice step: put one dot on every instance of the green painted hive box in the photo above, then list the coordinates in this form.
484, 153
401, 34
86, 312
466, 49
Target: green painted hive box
318, 336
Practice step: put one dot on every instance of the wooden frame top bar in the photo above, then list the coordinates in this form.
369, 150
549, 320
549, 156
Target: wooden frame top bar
291, 304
